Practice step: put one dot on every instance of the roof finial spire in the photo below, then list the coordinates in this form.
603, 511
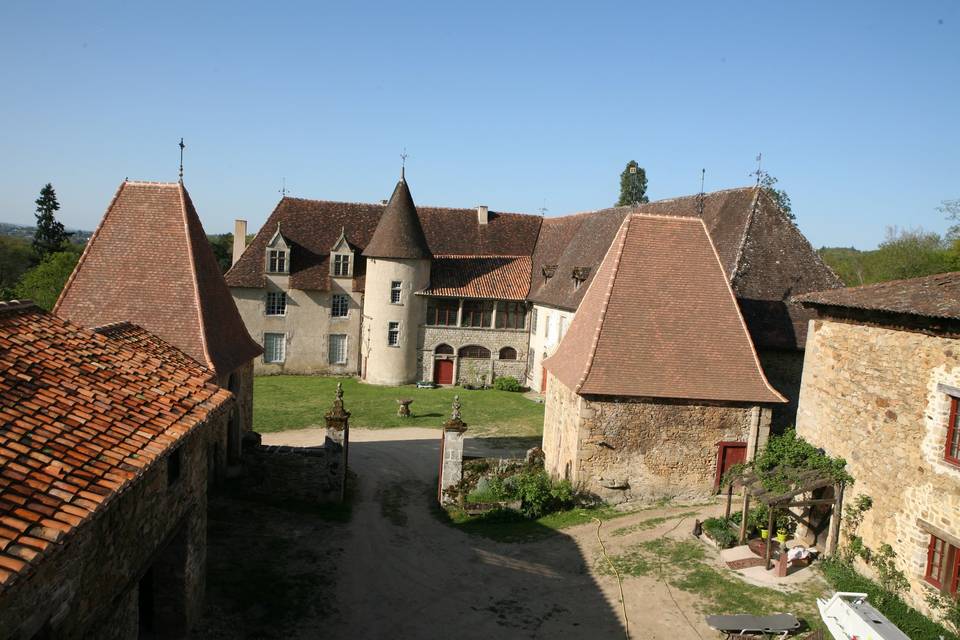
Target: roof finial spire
283, 188
403, 164
759, 171
703, 174
181, 158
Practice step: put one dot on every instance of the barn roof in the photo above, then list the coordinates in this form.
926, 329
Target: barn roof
936, 296
150, 262
81, 417
653, 326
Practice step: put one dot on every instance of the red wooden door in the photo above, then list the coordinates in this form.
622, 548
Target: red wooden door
443, 371
729, 454
543, 380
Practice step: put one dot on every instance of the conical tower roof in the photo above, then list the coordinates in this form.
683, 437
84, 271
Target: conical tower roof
399, 234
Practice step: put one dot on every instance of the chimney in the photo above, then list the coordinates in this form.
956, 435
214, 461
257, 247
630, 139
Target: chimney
483, 217
239, 239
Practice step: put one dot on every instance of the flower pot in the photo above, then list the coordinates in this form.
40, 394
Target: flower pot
764, 534
781, 537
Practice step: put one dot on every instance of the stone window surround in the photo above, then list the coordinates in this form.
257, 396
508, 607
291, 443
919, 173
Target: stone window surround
339, 302
275, 304
343, 351
937, 428
278, 258
396, 292
337, 268
393, 335
950, 541
282, 347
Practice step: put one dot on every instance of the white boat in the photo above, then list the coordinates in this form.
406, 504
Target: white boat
849, 616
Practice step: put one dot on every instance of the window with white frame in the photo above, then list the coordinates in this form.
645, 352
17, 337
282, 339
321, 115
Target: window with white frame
533, 321
274, 347
276, 303
341, 264
395, 288
340, 306
338, 349
546, 326
277, 261
563, 327
393, 334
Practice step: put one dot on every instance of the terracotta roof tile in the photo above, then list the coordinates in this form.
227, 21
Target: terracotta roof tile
55, 474
654, 326
936, 296
498, 277
763, 254
149, 262
398, 233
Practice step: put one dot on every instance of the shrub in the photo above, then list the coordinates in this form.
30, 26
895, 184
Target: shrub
720, 532
843, 577
507, 383
539, 494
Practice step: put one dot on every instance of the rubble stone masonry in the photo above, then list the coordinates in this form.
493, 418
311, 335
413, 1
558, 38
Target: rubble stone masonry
474, 370
877, 397
634, 449
154, 531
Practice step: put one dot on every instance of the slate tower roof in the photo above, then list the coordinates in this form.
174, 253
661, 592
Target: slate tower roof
149, 262
654, 326
399, 234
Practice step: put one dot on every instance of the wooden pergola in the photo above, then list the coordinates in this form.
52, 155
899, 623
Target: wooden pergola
801, 481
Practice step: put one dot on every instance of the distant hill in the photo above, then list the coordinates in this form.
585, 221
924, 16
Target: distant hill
24, 232
907, 257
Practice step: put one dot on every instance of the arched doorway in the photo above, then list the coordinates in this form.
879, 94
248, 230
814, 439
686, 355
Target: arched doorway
443, 364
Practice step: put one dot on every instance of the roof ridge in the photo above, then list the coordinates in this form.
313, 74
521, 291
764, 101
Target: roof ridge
86, 249
661, 201
479, 255
152, 183
621, 242
741, 246
736, 307
193, 272
9, 306
419, 207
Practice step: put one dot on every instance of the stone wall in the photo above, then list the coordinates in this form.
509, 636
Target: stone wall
87, 586
630, 449
307, 326
309, 474
783, 369
873, 396
474, 370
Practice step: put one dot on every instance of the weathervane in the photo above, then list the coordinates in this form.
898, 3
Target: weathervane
759, 171
403, 164
703, 174
181, 157
283, 188
543, 208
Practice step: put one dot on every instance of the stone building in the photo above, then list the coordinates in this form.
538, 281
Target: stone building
149, 262
392, 292
764, 255
107, 445
881, 389
656, 388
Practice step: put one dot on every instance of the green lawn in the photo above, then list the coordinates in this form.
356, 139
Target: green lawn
296, 402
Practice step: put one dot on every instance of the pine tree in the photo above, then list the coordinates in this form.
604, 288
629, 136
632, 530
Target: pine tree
50, 236
633, 185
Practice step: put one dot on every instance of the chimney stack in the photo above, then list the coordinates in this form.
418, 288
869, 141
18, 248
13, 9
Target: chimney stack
483, 215
239, 239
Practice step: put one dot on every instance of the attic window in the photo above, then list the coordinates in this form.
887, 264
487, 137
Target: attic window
277, 261
580, 275
341, 264
548, 270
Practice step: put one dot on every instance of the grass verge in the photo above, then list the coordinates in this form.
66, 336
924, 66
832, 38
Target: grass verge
509, 526
296, 402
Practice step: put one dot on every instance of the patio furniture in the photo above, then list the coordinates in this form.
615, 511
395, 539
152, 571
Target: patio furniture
404, 410
779, 624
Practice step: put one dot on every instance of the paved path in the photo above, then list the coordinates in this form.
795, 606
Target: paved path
405, 574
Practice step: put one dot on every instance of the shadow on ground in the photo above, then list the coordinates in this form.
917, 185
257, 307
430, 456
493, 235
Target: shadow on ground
394, 569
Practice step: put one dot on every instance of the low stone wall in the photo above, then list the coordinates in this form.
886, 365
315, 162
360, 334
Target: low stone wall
310, 474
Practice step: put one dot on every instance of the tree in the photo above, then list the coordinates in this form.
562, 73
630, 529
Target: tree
951, 211
633, 185
222, 245
50, 236
44, 282
779, 196
16, 257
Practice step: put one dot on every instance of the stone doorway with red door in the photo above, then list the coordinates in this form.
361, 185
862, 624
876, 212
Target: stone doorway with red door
728, 455
443, 371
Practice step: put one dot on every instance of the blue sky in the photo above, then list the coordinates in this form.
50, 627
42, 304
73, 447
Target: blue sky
515, 105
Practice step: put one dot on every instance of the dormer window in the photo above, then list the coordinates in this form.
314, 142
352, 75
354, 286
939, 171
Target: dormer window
548, 270
580, 275
277, 261
341, 254
278, 253
341, 265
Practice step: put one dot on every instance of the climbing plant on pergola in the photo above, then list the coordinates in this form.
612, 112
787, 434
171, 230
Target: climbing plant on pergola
780, 476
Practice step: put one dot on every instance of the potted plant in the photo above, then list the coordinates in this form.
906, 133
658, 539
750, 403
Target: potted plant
783, 527
758, 520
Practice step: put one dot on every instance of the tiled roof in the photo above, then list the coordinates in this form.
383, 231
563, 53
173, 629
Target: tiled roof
149, 262
313, 226
140, 339
936, 296
499, 277
81, 416
651, 325
399, 234
764, 255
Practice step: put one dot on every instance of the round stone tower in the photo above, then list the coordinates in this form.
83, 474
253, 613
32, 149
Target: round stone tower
398, 265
